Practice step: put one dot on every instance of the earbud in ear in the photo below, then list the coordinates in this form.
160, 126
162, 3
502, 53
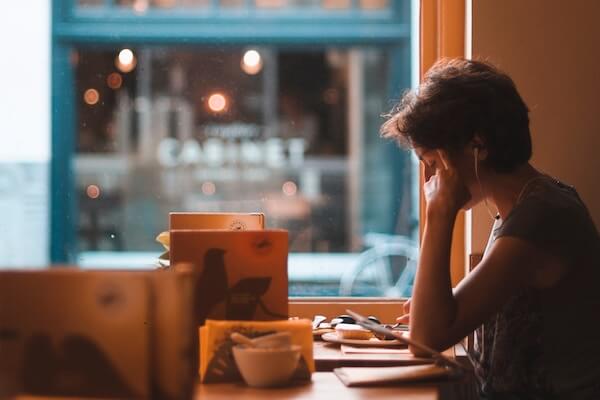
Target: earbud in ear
476, 152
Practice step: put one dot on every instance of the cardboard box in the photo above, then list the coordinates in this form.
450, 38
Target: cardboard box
240, 275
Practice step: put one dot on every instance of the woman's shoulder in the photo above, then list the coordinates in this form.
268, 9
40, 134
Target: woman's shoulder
551, 192
548, 199
551, 215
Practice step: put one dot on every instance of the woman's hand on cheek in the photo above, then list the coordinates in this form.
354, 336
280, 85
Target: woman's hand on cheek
445, 191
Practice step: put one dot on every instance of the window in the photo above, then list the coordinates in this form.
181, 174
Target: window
266, 105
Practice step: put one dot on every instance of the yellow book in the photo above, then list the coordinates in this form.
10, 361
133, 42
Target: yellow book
203, 220
216, 358
231, 221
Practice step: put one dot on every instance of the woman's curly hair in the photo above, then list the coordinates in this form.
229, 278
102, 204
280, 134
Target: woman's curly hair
457, 100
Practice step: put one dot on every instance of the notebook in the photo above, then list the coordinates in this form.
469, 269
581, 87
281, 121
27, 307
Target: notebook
367, 376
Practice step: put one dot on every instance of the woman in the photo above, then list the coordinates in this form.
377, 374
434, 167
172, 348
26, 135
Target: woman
534, 299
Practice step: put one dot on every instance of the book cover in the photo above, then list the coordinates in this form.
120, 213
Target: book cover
202, 220
68, 332
173, 333
239, 275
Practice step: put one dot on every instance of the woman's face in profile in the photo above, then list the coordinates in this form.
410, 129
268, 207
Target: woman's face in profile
462, 161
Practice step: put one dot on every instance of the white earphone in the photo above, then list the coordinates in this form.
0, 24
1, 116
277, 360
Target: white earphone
476, 161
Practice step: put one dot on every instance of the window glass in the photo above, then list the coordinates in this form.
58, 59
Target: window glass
289, 132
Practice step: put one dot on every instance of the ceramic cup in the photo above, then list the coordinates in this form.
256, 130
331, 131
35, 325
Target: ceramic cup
266, 367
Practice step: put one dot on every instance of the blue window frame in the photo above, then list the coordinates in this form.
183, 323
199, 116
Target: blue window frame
106, 23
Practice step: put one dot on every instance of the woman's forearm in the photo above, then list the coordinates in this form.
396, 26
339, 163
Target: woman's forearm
433, 307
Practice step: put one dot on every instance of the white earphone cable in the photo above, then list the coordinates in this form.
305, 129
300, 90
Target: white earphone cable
487, 206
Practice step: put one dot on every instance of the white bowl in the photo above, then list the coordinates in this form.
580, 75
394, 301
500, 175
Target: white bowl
265, 367
274, 340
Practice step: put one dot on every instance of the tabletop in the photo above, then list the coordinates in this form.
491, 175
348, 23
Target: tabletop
324, 385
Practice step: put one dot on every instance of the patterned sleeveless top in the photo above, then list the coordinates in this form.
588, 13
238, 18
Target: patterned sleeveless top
545, 343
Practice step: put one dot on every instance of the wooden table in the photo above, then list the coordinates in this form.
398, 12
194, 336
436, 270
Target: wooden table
324, 386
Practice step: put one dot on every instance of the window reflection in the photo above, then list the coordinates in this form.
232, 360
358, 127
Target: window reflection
193, 130
246, 129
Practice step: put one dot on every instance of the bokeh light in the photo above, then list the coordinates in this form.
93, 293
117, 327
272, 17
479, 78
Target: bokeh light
209, 188
289, 188
91, 96
93, 191
140, 6
126, 61
252, 62
217, 102
114, 80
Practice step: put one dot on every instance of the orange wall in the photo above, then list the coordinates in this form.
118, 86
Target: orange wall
551, 48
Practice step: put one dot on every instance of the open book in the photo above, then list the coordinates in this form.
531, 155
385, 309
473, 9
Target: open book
438, 357
443, 366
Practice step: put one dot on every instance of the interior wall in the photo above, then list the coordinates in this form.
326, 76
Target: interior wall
551, 50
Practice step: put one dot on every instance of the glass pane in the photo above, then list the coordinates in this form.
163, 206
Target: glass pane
232, 3
337, 4
138, 6
374, 4
194, 3
131, 3
271, 3
90, 3
164, 3
141, 6
304, 3
244, 130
